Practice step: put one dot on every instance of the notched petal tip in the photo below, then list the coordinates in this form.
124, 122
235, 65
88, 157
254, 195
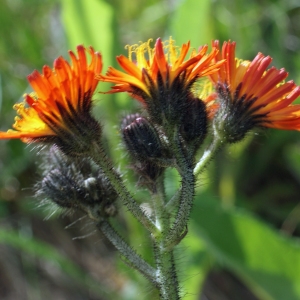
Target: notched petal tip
33, 76
58, 62
80, 48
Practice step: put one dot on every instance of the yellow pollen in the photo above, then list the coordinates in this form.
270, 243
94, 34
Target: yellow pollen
28, 119
33, 95
239, 61
171, 50
142, 53
137, 52
193, 53
131, 49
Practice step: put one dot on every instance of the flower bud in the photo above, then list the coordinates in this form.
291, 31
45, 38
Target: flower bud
61, 189
194, 121
77, 184
129, 119
142, 140
148, 174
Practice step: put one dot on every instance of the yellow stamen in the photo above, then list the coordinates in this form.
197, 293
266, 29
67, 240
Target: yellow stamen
137, 52
171, 50
28, 120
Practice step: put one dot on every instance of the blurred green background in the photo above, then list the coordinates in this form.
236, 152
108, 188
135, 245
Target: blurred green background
243, 240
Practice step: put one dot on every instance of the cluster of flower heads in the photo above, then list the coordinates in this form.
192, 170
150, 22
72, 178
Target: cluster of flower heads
180, 91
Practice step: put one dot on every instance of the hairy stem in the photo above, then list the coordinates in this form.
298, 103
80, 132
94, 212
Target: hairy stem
166, 275
99, 157
162, 218
185, 206
186, 194
126, 251
208, 155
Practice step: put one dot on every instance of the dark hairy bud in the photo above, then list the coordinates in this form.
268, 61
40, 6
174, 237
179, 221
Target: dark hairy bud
148, 173
194, 121
61, 189
142, 140
77, 184
146, 148
129, 119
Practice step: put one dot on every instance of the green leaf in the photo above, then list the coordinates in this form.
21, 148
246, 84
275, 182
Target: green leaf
197, 263
89, 23
267, 261
192, 21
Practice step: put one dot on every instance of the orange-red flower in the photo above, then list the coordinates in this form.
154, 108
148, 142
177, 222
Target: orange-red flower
252, 95
60, 107
154, 65
161, 77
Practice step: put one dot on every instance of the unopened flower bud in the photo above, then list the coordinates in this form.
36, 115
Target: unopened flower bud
129, 119
194, 121
142, 140
149, 173
61, 189
77, 184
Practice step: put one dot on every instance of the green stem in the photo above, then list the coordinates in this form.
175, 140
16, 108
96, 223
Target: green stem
208, 155
126, 251
166, 275
186, 194
185, 206
173, 202
162, 218
99, 157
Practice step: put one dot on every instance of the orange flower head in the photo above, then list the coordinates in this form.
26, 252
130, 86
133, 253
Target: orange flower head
250, 95
161, 77
59, 110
